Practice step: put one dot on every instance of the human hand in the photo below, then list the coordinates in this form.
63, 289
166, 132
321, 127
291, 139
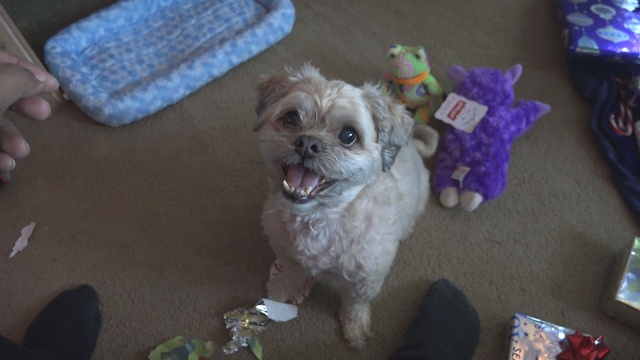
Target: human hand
21, 84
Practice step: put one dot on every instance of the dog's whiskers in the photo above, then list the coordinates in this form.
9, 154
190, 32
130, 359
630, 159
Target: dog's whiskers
286, 214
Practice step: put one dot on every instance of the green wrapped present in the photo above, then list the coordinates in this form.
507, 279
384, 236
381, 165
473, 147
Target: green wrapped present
622, 299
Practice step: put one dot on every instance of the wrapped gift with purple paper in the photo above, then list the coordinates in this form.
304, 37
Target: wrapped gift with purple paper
535, 339
609, 29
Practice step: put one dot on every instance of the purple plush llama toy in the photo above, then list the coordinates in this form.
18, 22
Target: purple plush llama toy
471, 168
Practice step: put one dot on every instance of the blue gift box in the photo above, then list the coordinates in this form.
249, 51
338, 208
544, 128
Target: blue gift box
609, 29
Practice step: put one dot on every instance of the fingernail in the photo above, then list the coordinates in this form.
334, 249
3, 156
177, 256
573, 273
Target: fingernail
41, 77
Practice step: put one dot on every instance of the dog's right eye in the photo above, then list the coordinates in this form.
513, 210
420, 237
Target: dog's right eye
291, 119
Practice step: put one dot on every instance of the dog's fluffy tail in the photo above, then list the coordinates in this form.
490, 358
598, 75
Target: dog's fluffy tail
425, 139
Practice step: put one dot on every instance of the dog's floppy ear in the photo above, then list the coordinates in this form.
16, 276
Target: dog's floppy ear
392, 122
270, 89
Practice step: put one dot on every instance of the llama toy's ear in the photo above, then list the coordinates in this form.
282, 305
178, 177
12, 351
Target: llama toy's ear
513, 73
457, 73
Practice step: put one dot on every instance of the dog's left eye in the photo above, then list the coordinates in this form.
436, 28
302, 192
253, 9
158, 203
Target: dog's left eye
348, 136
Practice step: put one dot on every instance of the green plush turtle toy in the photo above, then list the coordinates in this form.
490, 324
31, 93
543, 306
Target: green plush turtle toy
409, 79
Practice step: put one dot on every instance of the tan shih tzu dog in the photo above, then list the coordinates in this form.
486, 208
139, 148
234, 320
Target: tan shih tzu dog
346, 184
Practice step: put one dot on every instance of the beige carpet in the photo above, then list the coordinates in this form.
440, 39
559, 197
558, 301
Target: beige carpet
162, 216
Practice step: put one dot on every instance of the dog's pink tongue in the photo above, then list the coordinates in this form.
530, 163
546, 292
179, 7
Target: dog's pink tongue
299, 177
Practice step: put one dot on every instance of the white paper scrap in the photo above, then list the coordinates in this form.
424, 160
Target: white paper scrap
23, 240
278, 311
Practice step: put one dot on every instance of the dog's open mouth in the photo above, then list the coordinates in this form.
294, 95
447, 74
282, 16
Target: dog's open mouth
302, 185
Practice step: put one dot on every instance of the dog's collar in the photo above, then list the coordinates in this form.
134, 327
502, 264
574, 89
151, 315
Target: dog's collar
411, 81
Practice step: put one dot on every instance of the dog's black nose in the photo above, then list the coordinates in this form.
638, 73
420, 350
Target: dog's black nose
308, 146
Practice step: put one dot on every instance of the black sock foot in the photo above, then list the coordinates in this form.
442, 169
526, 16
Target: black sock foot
68, 326
446, 327
12, 351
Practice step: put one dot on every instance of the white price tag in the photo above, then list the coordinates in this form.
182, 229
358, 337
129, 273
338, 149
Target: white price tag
459, 173
461, 113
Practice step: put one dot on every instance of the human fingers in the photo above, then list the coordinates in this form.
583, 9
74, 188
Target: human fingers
34, 107
7, 163
51, 83
12, 145
16, 83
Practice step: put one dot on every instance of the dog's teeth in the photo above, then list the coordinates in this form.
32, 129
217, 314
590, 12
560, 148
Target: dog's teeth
286, 186
293, 190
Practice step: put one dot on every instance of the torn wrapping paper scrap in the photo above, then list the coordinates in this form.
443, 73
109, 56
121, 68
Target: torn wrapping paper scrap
246, 324
277, 311
255, 347
23, 240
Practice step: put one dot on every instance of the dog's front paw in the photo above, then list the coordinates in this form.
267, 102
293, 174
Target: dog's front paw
278, 291
289, 284
356, 324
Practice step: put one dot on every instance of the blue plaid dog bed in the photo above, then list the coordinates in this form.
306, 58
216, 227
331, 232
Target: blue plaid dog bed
136, 57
